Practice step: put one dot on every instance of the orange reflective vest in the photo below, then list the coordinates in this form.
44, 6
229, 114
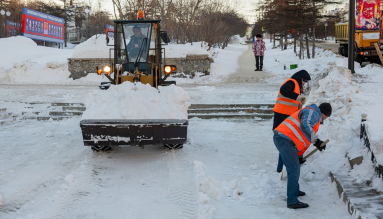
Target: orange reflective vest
285, 105
291, 128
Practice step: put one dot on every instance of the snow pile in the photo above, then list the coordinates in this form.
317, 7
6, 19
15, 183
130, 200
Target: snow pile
94, 47
17, 50
25, 62
208, 189
338, 89
137, 101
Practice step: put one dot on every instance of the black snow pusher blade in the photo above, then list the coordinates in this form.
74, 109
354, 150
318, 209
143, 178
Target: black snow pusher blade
112, 132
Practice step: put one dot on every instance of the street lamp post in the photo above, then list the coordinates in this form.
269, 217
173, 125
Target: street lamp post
2, 12
88, 11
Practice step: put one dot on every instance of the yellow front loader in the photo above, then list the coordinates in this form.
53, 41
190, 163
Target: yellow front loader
136, 59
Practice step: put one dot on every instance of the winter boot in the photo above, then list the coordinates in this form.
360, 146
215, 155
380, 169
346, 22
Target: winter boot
300, 193
257, 69
298, 205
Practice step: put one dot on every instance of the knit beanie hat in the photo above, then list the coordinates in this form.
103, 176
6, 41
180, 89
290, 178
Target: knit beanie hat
326, 109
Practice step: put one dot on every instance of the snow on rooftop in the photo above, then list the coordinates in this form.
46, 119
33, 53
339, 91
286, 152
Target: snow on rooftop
137, 101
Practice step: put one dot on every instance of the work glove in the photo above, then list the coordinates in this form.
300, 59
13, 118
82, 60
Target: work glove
301, 99
318, 143
301, 161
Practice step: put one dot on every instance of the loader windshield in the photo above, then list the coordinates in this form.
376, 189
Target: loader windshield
135, 36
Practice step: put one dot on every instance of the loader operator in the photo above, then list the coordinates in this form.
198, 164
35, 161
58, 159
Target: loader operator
292, 138
289, 101
135, 43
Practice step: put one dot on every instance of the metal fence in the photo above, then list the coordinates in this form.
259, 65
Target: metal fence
364, 136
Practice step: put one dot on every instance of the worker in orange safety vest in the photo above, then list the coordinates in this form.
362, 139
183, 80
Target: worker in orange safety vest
292, 138
289, 101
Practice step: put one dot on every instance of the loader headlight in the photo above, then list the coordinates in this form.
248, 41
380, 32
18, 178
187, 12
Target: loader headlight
170, 69
99, 71
107, 69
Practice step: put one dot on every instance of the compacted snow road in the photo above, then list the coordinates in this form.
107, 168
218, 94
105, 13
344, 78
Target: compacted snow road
226, 170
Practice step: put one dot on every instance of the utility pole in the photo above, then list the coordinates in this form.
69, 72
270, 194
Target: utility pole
351, 35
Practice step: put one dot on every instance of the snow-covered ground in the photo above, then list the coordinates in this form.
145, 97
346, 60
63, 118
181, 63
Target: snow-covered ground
227, 169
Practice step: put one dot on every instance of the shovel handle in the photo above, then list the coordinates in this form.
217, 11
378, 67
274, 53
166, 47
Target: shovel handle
315, 150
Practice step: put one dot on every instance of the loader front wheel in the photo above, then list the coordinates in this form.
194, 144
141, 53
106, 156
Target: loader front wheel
98, 148
173, 146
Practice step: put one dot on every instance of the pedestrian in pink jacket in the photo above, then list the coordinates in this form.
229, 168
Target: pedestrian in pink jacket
259, 48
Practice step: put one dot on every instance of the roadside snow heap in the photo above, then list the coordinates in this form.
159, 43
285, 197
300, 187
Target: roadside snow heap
94, 47
25, 62
140, 101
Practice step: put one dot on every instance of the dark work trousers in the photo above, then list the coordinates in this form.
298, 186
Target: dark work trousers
278, 119
259, 62
289, 154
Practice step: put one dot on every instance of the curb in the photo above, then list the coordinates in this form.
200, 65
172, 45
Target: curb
362, 201
350, 207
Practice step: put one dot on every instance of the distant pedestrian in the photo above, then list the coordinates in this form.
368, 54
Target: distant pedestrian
292, 138
259, 48
252, 40
289, 101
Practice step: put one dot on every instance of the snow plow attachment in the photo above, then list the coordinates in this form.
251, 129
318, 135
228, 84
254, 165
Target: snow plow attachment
112, 132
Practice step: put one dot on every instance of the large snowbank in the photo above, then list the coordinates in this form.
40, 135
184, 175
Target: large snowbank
137, 101
19, 50
23, 62
94, 47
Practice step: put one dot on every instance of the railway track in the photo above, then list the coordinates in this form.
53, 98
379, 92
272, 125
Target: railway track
58, 111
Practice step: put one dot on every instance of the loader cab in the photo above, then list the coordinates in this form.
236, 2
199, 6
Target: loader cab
138, 53
133, 43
